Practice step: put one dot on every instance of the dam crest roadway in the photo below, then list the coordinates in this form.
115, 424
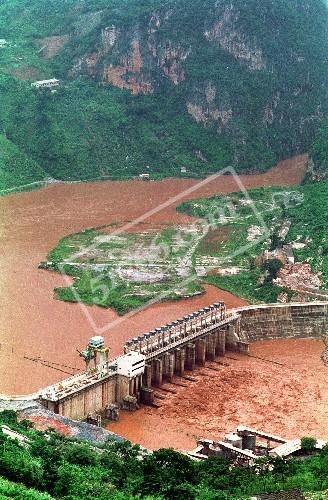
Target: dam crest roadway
155, 357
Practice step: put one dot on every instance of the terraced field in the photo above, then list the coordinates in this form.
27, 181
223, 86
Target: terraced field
125, 270
254, 245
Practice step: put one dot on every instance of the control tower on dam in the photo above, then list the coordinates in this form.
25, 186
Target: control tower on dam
148, 360
157, 356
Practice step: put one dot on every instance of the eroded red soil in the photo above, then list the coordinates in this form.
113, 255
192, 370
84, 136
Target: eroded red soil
43, 423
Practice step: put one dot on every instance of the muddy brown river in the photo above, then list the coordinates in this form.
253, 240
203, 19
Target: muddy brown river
39, 335
285, 393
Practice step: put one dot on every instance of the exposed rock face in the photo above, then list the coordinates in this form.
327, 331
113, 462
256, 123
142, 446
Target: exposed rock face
85, 65
128, 74
269, 110
206, 107
170, 59
51, 45
225, 32
299, 276
169, 56
109, 36
206, 115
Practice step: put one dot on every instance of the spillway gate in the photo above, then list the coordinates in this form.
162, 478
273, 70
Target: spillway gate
165, 351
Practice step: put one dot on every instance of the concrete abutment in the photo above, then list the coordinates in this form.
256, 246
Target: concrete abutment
171, 354
293, 320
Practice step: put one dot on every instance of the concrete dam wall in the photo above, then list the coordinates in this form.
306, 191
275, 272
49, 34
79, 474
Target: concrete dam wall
292, 320
179, 346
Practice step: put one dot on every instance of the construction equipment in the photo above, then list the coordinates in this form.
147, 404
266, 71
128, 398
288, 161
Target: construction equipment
97, 352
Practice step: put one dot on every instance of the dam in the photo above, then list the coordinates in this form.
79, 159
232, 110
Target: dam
156, 356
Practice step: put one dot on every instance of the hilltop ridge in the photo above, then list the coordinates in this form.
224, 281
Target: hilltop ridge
160, 86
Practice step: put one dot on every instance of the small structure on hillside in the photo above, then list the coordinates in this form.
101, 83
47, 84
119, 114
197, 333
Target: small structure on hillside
42, 84
3, 43
144, 177
245, 445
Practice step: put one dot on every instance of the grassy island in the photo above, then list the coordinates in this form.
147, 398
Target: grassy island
239, 244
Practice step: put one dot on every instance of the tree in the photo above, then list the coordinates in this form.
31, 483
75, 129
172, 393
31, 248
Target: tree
81, 454
215, 473
166, 472
308, 444
17, 464
82, 483
8, 417
276, 241
272, 267
122, 461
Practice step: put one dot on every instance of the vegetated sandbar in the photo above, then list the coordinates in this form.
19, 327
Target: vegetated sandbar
33, 323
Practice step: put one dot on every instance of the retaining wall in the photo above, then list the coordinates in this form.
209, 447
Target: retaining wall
292, 320
90, 399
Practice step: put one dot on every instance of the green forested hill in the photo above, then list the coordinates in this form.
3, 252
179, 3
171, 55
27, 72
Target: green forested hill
319, 153
53, 466
161, 84
15, 167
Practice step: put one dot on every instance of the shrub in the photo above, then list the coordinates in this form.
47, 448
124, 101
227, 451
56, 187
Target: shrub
308, 443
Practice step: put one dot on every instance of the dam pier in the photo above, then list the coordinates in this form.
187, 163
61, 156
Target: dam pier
154, 358
148, 361
182, 345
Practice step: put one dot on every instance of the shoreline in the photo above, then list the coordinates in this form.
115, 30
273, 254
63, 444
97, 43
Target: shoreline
47, 183
34, 325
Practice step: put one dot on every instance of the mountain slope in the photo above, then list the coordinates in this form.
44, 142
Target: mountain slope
16, 169
163, 85
319, 154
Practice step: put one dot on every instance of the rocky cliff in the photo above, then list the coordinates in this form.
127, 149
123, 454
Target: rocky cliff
246, 81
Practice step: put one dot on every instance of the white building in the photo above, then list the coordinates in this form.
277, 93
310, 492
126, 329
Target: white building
131, 364
45, 83
3, 43
144, 177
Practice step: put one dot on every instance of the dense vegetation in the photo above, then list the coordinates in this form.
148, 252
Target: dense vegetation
306, 207
87, 130
52, 466
319, 153
16, 168
103, 265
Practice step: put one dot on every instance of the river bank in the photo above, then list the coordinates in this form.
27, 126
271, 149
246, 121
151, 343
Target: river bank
281, 388
39, 335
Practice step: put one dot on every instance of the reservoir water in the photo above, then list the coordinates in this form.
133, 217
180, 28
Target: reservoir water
39, 335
